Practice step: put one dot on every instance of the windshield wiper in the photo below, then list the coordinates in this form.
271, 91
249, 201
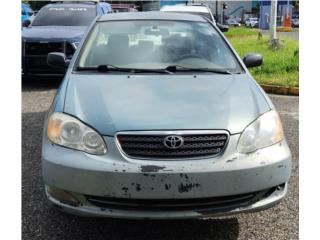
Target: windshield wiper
168, 70
111, 68
178, 68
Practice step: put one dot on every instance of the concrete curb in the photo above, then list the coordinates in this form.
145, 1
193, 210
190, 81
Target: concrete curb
294, 91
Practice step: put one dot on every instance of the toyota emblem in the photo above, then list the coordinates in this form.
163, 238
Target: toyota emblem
173, 141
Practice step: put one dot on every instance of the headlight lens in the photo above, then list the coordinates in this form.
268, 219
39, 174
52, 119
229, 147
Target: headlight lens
263, 132
68, 131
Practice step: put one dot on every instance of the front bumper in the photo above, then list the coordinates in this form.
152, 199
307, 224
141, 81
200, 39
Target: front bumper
33, 75
89, 210
116, 176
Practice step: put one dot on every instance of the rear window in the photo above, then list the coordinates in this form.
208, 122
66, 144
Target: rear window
65, 16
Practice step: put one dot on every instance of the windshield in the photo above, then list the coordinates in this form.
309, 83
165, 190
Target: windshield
65, 16
156, 45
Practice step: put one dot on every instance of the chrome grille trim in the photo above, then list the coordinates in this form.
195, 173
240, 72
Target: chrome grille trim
154, 142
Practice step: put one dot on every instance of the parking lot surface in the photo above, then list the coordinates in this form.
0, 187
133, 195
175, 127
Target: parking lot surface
40, 221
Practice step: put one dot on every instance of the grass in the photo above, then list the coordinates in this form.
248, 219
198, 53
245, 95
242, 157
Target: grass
241, 31
279, 68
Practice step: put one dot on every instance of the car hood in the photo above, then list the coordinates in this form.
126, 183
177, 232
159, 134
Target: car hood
112, 103
54, 33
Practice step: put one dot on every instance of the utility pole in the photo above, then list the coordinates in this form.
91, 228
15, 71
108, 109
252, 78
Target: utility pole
274, 41
216, 10
221, 13
273, 20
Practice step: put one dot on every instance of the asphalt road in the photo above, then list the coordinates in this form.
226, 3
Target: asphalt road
40, 221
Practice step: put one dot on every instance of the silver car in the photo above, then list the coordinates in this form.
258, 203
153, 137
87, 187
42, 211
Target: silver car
158, 117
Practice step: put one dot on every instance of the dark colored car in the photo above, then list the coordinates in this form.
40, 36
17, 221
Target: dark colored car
58, 27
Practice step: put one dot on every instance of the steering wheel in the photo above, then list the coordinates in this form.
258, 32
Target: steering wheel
188, 55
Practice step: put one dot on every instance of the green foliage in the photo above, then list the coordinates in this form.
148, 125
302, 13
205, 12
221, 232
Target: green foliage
280, 67
240, 31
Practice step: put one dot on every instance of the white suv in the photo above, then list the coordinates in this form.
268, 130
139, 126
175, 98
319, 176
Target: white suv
252, 22
202, 10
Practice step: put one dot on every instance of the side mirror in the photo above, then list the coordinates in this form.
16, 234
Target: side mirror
26, 23
57, 60
223, 28
253, 60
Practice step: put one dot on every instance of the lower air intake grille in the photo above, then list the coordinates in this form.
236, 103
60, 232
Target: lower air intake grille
240, 200
161, 145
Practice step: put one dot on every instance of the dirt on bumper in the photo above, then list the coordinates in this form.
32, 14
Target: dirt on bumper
116, 176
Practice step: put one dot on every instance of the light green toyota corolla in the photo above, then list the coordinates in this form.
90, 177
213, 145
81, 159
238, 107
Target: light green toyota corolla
158, 117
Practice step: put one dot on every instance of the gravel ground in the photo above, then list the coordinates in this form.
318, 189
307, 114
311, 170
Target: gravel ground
40, 221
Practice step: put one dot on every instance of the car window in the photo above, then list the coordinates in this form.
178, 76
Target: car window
156, 45
65, 16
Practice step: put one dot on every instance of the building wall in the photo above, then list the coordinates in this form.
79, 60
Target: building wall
237, 8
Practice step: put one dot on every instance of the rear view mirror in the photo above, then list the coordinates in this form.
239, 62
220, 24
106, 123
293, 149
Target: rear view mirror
253, 60
157, 32
57, 59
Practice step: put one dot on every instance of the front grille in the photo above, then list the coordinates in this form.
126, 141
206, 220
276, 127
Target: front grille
180, 204
195, 145
37, 62
38, 48
35, 55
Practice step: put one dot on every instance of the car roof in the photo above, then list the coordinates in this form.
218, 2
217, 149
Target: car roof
71, 4
185, 8
152, 15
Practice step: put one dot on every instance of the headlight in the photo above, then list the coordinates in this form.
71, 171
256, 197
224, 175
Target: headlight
68, 131
263, 132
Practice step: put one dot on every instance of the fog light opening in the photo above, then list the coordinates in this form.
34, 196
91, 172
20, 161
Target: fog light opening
62, 196
281, 187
